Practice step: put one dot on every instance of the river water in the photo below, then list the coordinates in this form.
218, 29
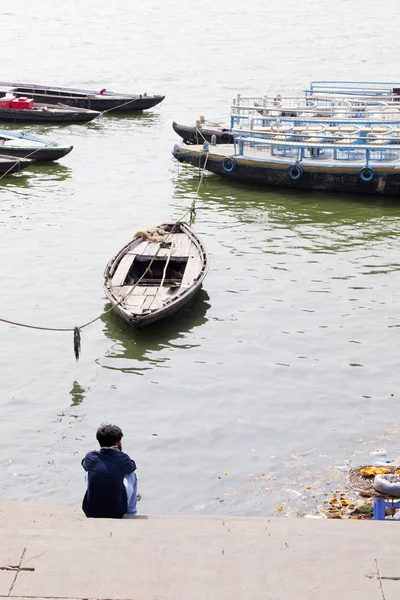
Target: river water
286, 366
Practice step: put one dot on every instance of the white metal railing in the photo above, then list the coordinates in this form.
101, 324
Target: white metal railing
337, 147
383, 88
364, 115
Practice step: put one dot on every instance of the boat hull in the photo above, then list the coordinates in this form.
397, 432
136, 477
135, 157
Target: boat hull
47, 114
195, 135
138, 322
385, 182
107, 104
12, 165
38, 155
184, 290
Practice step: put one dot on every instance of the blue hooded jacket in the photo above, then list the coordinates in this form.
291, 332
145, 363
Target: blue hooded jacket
106, 494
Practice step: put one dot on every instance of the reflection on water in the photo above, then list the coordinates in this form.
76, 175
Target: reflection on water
146, 345
145, 119
116, 124
299, 206
77, 394
286, 219
46, 172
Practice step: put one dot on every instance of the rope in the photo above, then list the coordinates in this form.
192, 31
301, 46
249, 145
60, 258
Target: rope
104, 112
17, 160
77, 329
163, 275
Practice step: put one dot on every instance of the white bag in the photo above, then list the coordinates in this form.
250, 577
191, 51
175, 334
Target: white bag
388, 484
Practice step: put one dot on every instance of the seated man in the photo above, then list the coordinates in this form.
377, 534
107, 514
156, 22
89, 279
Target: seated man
111, 479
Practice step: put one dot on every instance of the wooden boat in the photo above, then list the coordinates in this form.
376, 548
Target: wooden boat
10, 164
48, 113
156, 273
202, 133
345, 163
23, 144
91, 99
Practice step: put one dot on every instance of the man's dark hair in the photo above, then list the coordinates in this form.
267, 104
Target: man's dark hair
107, 435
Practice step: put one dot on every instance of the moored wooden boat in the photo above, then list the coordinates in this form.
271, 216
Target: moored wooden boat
199, 134
23, 144
100, 100
48, 113
9, 164
156, 273
348, 163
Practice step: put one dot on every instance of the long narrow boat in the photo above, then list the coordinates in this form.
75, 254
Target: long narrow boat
23, 144
100, 100
349, 163
9, 164
156, 273
48, 113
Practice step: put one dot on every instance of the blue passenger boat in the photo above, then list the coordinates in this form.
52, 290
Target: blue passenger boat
264, 114
352, 162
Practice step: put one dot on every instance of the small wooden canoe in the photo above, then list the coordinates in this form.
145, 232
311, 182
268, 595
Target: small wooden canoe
156, 273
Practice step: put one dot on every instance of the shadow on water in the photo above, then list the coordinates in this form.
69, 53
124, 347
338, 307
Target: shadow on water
146, 119
294, 207
146, 345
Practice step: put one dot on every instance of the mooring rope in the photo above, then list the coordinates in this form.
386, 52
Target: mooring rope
77, 329
18, 159
104, 112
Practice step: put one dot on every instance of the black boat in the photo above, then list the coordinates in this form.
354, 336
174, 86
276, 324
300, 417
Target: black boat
202, 133
96, 100
23, 144
47, 113
9, 164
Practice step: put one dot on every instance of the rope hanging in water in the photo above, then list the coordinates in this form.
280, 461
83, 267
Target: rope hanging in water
77, 330
77, 342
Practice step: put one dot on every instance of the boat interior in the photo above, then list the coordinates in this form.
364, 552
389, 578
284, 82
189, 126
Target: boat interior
167, 268
157, 271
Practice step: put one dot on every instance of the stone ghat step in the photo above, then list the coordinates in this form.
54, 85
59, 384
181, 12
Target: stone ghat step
55, 552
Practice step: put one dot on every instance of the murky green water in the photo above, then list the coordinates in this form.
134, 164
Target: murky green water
291, 349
